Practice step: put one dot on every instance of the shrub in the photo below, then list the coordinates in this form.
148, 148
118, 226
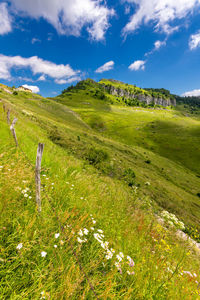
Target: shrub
15, 93
129, 176
147, 161
96, 156
198, 195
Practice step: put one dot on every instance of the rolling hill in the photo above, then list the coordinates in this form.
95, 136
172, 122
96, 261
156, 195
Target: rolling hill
112, 163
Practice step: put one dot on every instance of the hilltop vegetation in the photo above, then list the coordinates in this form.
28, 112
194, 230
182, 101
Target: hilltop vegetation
116, 92
106, 167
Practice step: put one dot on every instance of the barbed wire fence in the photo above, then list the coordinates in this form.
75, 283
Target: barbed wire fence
37, 170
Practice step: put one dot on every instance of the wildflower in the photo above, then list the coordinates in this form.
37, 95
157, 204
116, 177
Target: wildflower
1, 167
81, 241
42, 295
112, 250
25, 195
67, 182
98, 237
72, 184
85, 231
43, 254
131, 262
81, 198
55, 246
188, 272
52, 183
194, 274
62, 242
109, 254
57, 235
30, 197
104, 245
80, 232
92, 228
130, 273
44, 175
100, 231
19, 246
118, 267
121, 254
93, 221
119, 258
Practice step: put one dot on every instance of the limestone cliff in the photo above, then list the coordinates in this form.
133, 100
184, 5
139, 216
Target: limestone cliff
143, 97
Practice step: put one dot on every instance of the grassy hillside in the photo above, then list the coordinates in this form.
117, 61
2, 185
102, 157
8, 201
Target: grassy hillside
102, 169
161, 147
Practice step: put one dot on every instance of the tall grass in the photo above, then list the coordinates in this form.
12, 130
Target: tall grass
49, 256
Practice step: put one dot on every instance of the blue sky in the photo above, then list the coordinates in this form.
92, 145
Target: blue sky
50, 44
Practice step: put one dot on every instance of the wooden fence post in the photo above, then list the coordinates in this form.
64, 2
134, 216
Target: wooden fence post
37, 175
8, 116
13, 130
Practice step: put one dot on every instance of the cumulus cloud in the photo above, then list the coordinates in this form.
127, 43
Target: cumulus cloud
194, 41
33, 88
5, 19
137, 65
106, 67
194, 93
69, 16
161, 12
37, 66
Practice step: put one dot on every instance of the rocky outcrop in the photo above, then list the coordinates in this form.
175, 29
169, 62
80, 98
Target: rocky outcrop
119, 92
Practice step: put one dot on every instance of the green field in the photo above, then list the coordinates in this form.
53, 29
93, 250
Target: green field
120, 164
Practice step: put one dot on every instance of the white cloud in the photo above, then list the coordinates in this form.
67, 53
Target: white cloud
194, 41
33, 88
69, 16
5, 19
161, 12
37, 66
70, 80
60, 81
106, 67
137, 65
159, 44
35, 40
42, 78
194, 93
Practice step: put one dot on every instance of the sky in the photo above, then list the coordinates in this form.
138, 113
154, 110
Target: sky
48, 45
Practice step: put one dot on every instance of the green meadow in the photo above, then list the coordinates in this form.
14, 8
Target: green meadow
107, 170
